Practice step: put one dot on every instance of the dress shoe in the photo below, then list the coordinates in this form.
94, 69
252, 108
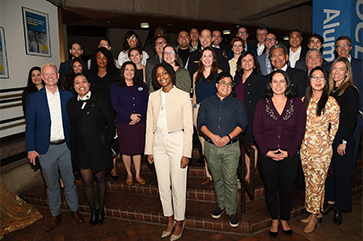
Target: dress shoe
338, 216
273, 234
167, 233
287, 232
129, 181
53, 222
178, 236
206, 181
310, 227
101, 216
141, 181
93, 218
77, 216
307, 219
328, 208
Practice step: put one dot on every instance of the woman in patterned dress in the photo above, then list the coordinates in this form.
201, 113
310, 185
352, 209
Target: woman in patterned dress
322, 111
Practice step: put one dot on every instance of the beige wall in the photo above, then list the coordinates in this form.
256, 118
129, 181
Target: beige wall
19, 63
271, 14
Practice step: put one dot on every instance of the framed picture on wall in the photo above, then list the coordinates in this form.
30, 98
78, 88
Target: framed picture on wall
4, 70
36, 32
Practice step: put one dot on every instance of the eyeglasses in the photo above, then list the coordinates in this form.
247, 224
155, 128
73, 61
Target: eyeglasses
132, 38
316, 78
160, 43
169, 53
270, 39
224, 84
241, 32
104, 45
343, 46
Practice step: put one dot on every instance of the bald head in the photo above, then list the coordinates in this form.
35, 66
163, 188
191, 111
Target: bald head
205, 38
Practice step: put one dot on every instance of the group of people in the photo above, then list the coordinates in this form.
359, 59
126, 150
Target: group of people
290, 113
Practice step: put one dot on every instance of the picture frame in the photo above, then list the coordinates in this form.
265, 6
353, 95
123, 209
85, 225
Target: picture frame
36, 33
4, 70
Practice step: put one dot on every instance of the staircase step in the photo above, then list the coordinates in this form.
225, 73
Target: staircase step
147, 209
195, 191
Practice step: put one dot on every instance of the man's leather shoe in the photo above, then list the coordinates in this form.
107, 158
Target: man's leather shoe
77, 216
53, 222
338, 216
206, 181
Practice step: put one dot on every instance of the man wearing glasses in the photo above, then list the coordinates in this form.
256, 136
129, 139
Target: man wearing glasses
222, 119
160, 43
263, 59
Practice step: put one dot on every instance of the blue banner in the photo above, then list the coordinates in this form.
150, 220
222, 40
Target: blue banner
36, 22
334, 18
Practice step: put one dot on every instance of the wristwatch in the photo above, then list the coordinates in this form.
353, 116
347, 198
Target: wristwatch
343, 141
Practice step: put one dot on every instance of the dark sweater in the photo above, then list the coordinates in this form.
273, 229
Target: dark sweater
273, 131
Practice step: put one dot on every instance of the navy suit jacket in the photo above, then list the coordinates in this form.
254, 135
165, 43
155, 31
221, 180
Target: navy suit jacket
37, 131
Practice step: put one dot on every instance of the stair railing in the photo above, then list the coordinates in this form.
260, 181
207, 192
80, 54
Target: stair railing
246, 187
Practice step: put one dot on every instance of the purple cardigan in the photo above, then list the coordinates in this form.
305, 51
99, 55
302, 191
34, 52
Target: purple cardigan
126, 102
272, 131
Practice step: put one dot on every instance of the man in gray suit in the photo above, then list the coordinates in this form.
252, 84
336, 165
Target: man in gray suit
263, 59
160, 43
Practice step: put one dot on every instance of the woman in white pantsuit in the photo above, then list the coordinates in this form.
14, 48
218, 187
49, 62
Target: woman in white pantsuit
169, 131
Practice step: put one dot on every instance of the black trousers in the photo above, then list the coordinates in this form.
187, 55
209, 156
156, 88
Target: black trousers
278, 178
338, 186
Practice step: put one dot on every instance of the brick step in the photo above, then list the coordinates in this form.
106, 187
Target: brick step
147, 209
195, 191
141, 203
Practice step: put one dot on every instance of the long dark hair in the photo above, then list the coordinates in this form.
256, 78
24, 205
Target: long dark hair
121, 82
31, 86
213, 70
168, 69
324, 97
288, 92
256, 65
111, 68
67, 83
127, 36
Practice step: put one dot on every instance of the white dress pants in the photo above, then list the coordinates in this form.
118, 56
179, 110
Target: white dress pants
172, 179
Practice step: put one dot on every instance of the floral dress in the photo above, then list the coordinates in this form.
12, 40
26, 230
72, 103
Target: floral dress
316, 150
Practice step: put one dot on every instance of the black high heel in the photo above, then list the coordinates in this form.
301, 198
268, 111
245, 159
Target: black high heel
273, 234
328, 208
287, 232
101, 216
93, 218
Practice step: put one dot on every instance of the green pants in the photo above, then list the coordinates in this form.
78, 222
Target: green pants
223, 164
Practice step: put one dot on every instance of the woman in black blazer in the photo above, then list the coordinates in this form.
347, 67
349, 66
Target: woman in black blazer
249, 87
92, 130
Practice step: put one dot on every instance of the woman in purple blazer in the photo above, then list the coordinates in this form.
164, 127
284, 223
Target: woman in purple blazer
129, 97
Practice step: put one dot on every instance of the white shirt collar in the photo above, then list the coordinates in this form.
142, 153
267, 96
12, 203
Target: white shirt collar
86, 97
284, 68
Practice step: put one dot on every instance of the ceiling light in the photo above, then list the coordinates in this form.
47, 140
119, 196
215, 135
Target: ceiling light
226, 32
144, 25
286, 38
